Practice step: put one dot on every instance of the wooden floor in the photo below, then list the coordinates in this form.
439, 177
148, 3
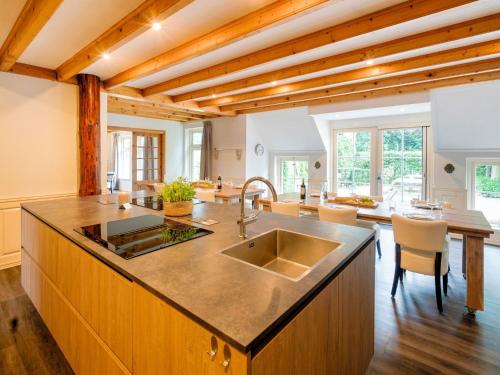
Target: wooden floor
411, 336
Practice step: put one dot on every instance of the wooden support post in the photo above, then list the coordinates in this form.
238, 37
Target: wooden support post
89, 135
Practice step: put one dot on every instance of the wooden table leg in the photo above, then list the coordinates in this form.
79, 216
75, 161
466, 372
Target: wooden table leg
225, 200
464, 256
475, 273
256, 202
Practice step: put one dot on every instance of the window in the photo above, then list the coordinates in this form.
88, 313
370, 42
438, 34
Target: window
397, 174
194, 137
353, 162
485, 189
403, 165
292, 170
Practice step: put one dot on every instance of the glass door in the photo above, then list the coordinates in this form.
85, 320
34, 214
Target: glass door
402, 162
353, 162
485, 194
147, 159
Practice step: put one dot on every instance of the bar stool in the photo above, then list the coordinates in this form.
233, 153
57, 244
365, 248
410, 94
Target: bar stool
286, 208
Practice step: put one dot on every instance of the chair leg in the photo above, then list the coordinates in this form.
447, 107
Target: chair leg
379, 250
397, 270
437, 279
445, 284
403, 271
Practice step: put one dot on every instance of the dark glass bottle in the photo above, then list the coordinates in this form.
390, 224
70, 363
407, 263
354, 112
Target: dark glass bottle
219, 183
303, 191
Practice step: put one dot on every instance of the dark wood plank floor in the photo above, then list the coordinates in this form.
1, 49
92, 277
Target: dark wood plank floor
411, 336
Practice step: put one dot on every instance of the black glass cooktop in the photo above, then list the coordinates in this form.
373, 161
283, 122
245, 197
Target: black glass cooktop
140, 235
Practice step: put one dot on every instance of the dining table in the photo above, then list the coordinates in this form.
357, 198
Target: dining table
230, 194
470, 224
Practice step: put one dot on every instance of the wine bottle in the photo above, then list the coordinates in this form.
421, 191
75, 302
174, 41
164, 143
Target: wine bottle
303, 191
219, 183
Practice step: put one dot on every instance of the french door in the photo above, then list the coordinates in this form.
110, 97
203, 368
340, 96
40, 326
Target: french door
485, 190
402, 164
147, 159
387, 162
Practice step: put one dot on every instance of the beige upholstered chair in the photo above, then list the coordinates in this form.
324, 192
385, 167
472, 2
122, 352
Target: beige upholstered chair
348, 216
422, 247
205, 195
285, 208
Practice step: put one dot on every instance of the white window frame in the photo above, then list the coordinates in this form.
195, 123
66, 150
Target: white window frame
373, 153
189, 148
376, 153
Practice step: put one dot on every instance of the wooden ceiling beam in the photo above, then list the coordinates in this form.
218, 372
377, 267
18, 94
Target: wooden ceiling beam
442, 35
230, 32
33, 17
391, 91
141, 113
406, 11
115, 101
412, 78
188, 106
133, 24
418, 62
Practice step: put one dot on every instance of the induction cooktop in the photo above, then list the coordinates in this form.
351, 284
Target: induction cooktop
140, 235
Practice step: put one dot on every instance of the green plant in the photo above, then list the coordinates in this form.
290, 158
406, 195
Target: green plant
178, 191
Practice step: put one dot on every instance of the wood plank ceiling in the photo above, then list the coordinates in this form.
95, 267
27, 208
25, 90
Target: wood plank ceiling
245, 63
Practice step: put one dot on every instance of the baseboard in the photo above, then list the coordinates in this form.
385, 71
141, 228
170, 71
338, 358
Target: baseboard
10, 260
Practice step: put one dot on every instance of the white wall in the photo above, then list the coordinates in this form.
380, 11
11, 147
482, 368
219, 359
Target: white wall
38, 150
291, 132
38, 137
467, 118
229, 132
174, 142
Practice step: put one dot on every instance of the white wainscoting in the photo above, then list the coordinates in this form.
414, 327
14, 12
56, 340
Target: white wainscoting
10, 227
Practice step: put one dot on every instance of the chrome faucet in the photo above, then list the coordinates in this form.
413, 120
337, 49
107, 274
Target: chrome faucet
244, 220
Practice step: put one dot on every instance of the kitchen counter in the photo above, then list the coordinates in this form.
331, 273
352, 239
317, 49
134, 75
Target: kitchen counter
240, 303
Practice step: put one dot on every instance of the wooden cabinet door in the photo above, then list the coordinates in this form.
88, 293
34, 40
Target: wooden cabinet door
308, 344
167, 342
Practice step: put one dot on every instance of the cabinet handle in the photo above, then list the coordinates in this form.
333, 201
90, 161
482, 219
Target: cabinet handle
213, 348
227, 357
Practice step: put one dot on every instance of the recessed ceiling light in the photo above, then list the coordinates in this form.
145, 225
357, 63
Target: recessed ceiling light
369, 62
402, 109
274, 83
214, 96
106, 56
156, 26
337, 115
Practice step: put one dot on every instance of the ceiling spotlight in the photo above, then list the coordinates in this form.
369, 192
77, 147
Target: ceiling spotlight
369, 62
402, 109
156, 26
274, 83
214, 96
106, 56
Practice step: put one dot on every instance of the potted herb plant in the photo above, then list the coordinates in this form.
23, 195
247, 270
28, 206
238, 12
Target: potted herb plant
178, 198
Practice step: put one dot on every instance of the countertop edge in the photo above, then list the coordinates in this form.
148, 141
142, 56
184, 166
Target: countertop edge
261, 340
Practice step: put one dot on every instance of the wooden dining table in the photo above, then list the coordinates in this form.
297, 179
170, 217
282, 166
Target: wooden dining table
472, 225
230, 194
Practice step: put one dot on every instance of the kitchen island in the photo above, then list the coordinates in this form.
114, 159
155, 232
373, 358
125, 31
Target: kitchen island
192, 309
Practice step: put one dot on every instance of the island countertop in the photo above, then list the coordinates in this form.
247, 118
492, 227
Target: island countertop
241, 303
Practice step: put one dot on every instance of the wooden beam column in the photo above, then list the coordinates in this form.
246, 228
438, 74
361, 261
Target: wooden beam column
89, 134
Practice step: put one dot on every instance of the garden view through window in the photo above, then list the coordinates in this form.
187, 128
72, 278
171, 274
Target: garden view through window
292, 171
486, 191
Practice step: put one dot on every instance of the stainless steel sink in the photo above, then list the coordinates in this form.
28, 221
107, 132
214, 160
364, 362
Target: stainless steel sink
286, 253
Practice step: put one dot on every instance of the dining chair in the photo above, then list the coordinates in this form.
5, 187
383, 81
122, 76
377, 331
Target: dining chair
421, 247
286, 208
348, 216
205, 195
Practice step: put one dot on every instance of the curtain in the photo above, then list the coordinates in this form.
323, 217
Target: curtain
206, 151
116, 158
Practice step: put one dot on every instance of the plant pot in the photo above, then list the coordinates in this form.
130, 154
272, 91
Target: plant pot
183, 208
